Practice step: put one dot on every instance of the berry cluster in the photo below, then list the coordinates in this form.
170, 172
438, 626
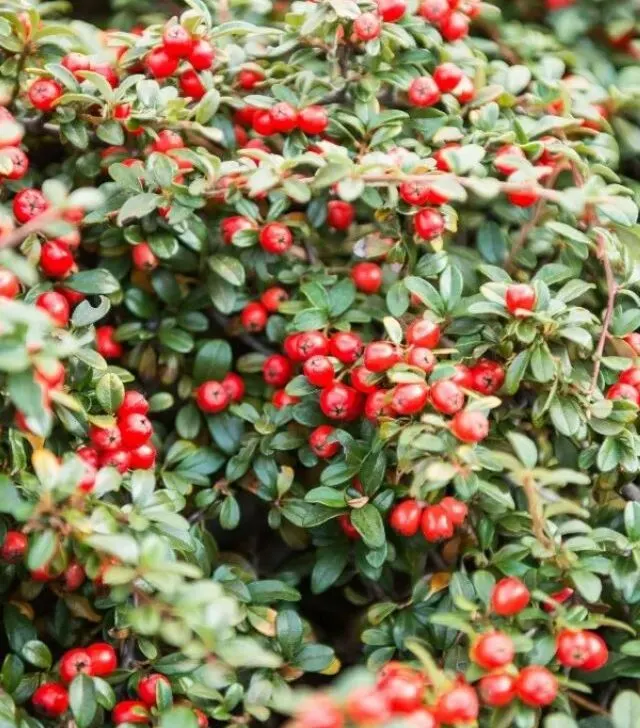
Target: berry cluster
256, 313
213, 396
627, 386
437, 521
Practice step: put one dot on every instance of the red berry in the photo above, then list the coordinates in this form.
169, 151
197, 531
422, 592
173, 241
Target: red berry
232, 225
423, 92
201, 55
536, 686
281, 399
377, 405
446, 396
520, 297
367, 26
135, 430
493, 649
122, 112
74, 576
469, 426
76, 62
409, 399
509, 596
143, 457
421, 357
598, 652
434, 10
248, 78
447, 76
428, 223
133, 403
348, 528
346, 346
507, 157
51, 699
523, 197
29, 203
340, 214
465, 91
404, 688
14, 546
147, 688
560, 597
436, 524
119, 459
313, 120
405, 518
166, 141
277, 370
414, 192
454, 27
275, 238
75, 662
273, 297
459, 705
318, 442
421, 718
633, 340
143, 257
486, 377
630, 376
319, 371
104, 438
624, 391
254, 317
44, 93
107, 71
161, 64
212, 397
339, 402
311, 343
456, 510
380, 356
106, 344
497, 689
103, 659
367, 706
9, 284
262, 122
284, 118
19, 162
55, 304
391, 10
367, 277
572, 647
423, 332
56, 260
233, 384
130, 711
363, 380
177, 41
191, 85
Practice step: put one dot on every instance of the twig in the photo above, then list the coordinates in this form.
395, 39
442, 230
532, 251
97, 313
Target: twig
584, 703
15, 237
612, 290
249, 340
535, 511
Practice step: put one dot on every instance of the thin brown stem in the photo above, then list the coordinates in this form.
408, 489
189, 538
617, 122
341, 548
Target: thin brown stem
535, 511
612, 290
588, 704
15, 237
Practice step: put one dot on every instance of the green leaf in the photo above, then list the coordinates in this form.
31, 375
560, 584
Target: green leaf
588, 584
42, 548
625, 711
228, 268
94, 281
110, 392
37, 653
213, 361
179, 717
138, 206
330, 563
82, 699
368, 523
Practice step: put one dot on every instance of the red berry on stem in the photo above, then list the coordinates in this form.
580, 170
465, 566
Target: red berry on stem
421, 357
429, 223
177, 41
14, 546
106, 344
404, 688
233, 384
284, 117
367, 277
191, 85
248, 78
410, 398
104, 659
28, 204
235, 224
254, 317
55, 304
275, 238
51, 699
458, 705
143, 257
318, 442
486, 377
446, 396
319, 371
405, 518
456, 510
434, 10
423, 332
9, 284
447, 76
135, 430
519, 298
598, 652
391, 10
56, 260
497, 689
130, 711
367, 706
277, 370
44, 93
572, 647
536, 686
523, 196
380, 356
161, 64
340, 214
363, 380
143, 457
19, 162
346, 346
212, 397
201, 55
75, 662
348, 528
313, 120
493, 649
339, 402
147, 688
454, 27
311, 343
509, 596
273, 297
436, 524
624, 391
367, 26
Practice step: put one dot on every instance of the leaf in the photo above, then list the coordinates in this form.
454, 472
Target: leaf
110, 392
212, 361
42, 547
524, 448
228, 268
138, 206
330, 563
38, 654
368, 523
625, 711
94, 281
82, 699
588, 584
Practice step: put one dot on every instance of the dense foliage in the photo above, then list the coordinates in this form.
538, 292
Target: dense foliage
319, 347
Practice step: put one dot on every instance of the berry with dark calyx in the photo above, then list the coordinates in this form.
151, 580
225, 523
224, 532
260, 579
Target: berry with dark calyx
161, 64
536, 686
339, 402
104, 659
367, 277
147, 688
56, 260
493, 649
391, 10
456, 510
319, 371
447, 76
44, 93
497, 689
436, 524
421, 357
233, 384
75, 662
311, 343
572, 647
340, 214
135, 430
277, 370
273, 297
14, 546
486, 377
410, 398
105, 438
469, 426
130, 711
254, 317
313, 120
201, 55
380, 356
446, 396
423, 92
55, 304
414, 193
284, 117
520, 298
367, 26
106, 344
378, 404
423, 332
319, 442
434, 10
346, 346
405, 518
28, 204
19, 162
212, 397
51, 699
177, 41
275, 238
458, 705
509, 597
428, 223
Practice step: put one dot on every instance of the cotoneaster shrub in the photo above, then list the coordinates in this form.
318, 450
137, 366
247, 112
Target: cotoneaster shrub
319, 341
